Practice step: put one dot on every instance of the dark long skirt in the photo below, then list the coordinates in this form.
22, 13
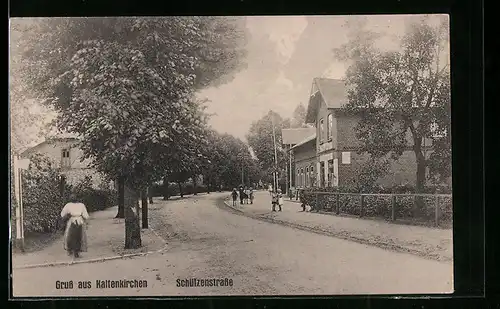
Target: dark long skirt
75, 238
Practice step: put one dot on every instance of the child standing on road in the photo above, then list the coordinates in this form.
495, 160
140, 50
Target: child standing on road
274, 200
280, 199
234, 195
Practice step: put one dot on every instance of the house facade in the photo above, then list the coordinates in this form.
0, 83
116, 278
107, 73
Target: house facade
290, 138
331, 157
65, 155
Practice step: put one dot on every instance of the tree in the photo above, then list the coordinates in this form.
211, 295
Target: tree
260, 139
29, 119
299, 117
231, 162
402, 95
125, 85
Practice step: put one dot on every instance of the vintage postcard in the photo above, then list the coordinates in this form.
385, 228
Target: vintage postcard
218, 155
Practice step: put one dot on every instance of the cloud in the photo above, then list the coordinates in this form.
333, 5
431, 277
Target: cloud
283, 31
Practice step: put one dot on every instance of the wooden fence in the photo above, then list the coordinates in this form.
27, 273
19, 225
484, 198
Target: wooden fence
437, 199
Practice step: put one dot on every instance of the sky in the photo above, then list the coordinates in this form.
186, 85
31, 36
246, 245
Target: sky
285, 53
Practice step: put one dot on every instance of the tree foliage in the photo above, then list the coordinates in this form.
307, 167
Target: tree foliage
298, 119
126, 85
29, 119
403, 96
230, 157
260, 139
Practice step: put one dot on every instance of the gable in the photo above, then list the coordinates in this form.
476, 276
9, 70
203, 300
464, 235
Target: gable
330, 92
48, 144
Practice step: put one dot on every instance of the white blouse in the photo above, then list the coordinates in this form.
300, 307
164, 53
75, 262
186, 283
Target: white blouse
77, 211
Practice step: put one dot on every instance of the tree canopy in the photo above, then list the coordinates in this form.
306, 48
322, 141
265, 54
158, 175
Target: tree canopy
298, 119
404, 95
126, 85
260, 139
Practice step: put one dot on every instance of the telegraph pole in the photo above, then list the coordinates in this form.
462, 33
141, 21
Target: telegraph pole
19, 165
275, 154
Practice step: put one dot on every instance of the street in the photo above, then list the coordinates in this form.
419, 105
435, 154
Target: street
206, 240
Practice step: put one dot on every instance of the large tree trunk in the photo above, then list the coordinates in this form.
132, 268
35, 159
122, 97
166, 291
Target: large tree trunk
121, 198
144, 204
132, 228
180, 189
166, 193
420, 181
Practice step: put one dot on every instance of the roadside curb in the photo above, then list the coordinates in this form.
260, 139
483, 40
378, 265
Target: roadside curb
344, 236
97, 260
232, 207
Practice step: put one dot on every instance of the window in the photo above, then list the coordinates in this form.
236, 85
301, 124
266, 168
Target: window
313, 177
330, 127
321, 130
330, 173
298, 178
307, 177
335, 172
302, 177
65, 158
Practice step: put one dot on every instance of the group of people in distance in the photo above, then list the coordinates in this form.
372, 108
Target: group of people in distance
245, 194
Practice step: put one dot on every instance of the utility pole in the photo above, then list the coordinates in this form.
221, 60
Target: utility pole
19, 165
275, 154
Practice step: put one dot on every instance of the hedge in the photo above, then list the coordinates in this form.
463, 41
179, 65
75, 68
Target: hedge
43, 201
173, 189
407, 208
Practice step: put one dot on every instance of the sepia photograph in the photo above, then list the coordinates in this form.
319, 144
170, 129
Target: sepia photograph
230, 156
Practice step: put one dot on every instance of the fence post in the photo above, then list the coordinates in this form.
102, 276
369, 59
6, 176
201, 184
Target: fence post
436, 212
338, 203
393, 208
361, 206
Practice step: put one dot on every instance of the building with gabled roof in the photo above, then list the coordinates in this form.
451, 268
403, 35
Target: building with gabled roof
64, 154
331, 156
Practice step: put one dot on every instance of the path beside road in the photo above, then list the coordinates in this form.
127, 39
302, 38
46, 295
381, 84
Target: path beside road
427, 242
105, 236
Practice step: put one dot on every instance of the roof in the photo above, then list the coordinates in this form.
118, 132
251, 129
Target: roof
333, 92
305, 141
296, 135
48, 141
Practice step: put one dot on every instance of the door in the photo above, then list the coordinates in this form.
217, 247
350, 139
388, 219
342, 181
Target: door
335, 172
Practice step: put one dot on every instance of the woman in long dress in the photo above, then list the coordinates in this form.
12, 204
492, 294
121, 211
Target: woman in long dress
75, 234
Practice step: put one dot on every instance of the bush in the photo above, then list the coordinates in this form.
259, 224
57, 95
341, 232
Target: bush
94, 199
42, 201
173, 189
